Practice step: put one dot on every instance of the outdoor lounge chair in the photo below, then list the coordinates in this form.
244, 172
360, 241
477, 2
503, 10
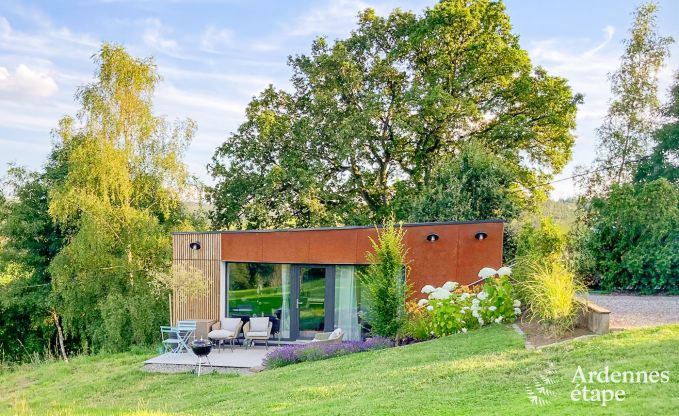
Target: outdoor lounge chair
329, 337
227, 329
257, 329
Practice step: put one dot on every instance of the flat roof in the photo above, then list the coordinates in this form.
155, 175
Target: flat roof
347, 227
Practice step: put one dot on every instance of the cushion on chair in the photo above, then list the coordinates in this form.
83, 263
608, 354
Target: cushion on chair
257, 334
259, 325
230, 323
336, 333
220, 334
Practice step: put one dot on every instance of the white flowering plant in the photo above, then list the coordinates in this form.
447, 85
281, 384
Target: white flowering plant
454, 308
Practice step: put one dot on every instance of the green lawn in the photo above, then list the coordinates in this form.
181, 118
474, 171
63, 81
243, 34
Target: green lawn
484, 372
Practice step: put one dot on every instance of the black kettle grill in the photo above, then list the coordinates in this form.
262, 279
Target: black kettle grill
201, 348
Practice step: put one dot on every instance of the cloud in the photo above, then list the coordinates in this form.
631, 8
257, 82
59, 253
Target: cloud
154, 37
171, 96
26, 82
585, 63
5, 28
48, 41
337, 17
215, 39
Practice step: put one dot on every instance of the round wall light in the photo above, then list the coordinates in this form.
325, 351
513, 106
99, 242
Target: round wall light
481, 235
432, 237
195, 245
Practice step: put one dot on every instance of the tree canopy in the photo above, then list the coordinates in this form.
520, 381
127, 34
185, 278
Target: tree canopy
120, 198
476, 185
29, 240
626, 134
370, 115
664, 159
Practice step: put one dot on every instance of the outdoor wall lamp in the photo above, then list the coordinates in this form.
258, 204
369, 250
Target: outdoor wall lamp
195, 245
432, 237
481, 235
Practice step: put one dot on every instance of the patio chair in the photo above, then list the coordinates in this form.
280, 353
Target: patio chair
329, 337
171, 339
257, 329
226, 329
187, 328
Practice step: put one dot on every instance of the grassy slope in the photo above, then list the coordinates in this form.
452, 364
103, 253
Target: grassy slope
484, 372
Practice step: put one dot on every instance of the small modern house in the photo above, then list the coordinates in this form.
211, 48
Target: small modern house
306, 279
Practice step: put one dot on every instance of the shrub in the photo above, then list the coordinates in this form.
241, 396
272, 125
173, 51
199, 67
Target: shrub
550, 291
416, 325
536, 245
634, 237
476, 184
297, 353
454, 309
384, 281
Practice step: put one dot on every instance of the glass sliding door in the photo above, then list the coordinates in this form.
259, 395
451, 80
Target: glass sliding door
314, 304
260, 289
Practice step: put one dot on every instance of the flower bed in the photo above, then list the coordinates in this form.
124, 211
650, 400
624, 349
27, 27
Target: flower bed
453, 308
291, 354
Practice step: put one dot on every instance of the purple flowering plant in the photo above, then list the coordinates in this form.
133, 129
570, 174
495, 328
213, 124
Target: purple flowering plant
297, 353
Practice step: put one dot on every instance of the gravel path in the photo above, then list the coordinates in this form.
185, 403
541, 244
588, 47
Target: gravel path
174, 368
629, 311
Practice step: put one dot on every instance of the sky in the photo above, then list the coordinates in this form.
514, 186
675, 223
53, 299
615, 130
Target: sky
214, 56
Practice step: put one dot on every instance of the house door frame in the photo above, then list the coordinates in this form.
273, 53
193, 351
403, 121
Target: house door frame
295, 275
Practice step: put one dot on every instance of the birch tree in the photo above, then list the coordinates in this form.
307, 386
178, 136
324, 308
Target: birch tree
634, 113
121, 196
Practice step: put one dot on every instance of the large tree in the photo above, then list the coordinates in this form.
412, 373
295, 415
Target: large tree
664, 159
29, 240
370, 116
474, 186
634, 113
120, 197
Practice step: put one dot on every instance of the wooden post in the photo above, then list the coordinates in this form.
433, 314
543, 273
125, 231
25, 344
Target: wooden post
169, 298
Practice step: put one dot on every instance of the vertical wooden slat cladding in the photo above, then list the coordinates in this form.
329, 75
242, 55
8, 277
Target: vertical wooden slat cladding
207, 260
456, 255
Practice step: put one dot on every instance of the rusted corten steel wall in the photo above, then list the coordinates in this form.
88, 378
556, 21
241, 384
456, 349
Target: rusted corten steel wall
207, 260
456, 255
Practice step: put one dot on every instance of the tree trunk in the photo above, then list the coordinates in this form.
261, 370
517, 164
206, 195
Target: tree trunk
60, 335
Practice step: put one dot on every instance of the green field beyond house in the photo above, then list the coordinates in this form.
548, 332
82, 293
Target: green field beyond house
482, 372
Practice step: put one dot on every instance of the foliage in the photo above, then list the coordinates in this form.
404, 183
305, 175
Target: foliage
476, 185
415, 326
28, 242
371, 114
550, 291
664, 160
545, 243
634, 237
384, 281
633, 115
453, 309
539, 242
297, 353
183, 280
120, 196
